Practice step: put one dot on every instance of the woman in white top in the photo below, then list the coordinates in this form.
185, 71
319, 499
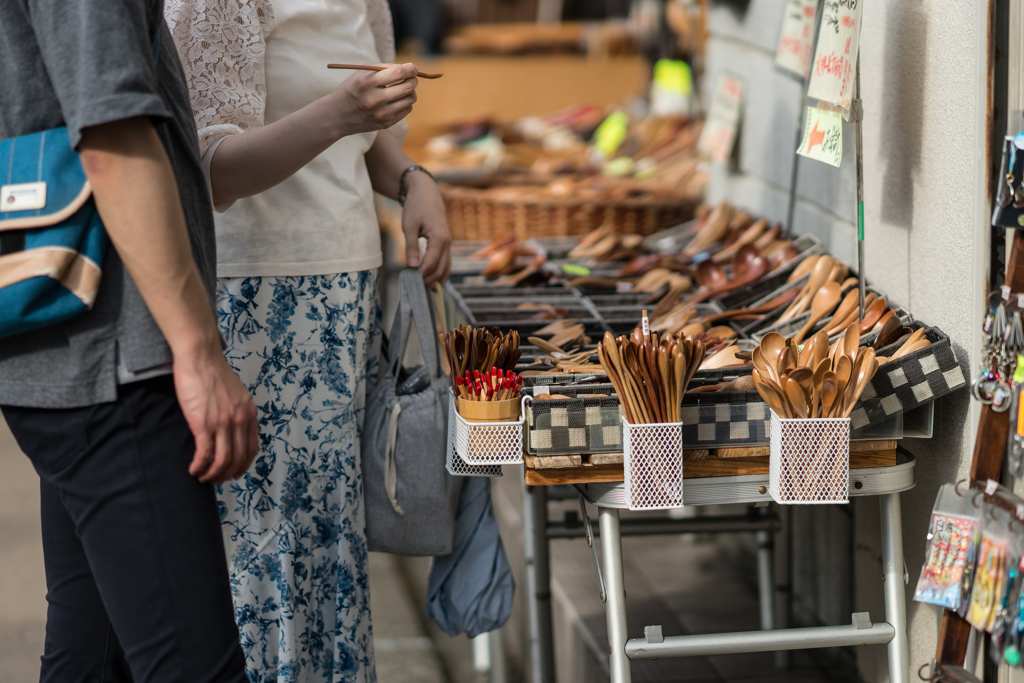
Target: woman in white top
293, 156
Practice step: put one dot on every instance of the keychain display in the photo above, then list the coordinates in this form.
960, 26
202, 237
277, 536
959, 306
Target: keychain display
1015, 437
1003, 330
951, 539
1009, 207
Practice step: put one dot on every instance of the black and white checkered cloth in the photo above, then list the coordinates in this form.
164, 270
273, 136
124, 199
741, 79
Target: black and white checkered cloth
577, 425
910, 381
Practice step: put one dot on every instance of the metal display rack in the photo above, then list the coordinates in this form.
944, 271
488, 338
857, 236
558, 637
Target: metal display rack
884, 482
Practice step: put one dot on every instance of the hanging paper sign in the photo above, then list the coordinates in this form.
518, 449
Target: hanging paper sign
797, 40
835, 60
823, 136
719, 133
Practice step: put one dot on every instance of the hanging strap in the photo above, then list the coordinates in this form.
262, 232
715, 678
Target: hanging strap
414, 308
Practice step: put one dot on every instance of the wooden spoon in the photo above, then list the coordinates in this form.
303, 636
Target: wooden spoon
824, 301
851, 341
903, 350
891, 330
843, 370
805, 378
866, 367
771, 395
374, 67
804, 267
829, 391
846, 308
873, 315
797, 397
818, 277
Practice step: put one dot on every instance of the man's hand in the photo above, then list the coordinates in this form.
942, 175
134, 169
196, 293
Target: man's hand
220, 414
373, 100
424, 216
137, 196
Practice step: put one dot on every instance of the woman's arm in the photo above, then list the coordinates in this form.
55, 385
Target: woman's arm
257, 160
423, 214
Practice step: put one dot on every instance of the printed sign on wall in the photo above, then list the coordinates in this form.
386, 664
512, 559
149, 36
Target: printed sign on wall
797, 40
719, 133
835, 60
823, 136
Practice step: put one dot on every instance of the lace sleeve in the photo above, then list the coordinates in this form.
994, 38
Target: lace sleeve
222, 45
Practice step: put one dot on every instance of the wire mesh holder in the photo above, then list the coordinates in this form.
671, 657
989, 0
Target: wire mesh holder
652, 459
489, 443
809, 462
454, 463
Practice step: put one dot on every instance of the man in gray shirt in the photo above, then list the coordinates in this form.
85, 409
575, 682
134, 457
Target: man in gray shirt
129, 413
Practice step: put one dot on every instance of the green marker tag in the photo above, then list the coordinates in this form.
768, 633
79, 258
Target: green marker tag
1018, 374
573, 269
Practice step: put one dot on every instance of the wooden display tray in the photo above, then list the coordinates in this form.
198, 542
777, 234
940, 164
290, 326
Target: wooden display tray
700, 464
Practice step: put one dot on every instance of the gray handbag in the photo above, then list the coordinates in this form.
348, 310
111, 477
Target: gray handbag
409, 496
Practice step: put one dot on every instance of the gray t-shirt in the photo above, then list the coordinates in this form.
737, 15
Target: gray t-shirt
81, 64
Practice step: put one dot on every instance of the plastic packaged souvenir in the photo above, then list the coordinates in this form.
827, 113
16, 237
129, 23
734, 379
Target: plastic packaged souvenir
951, 541
990, 574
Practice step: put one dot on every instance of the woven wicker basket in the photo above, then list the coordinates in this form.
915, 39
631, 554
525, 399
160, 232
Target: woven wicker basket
475, 214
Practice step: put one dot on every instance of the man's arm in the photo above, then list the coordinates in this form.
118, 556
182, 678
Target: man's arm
424, 213
137, 197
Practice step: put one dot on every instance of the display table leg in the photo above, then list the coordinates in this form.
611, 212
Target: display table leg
538, 583
615, 607
895, 598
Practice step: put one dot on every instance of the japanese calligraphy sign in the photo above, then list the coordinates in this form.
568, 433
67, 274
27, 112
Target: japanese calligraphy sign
719, 133
797, 38
835, 60
823, 136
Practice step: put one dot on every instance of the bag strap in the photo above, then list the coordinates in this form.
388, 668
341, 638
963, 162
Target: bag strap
414, 309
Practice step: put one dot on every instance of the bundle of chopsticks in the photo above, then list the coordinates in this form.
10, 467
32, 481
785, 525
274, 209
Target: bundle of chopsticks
817, 381
650, 373
476, 349
493, 385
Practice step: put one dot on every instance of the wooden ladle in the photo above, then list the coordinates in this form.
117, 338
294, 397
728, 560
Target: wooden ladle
821, 305
374, 67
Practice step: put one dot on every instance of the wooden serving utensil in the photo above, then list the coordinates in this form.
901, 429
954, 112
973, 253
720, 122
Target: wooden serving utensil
829, 392
873, 315
770, 394
823, 302
914, 338
376, 67
797, 397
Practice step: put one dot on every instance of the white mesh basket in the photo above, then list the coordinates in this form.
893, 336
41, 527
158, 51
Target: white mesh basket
652, 459
456, 466
810, 460
488, 443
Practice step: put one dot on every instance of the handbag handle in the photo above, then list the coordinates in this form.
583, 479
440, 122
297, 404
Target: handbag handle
415, 307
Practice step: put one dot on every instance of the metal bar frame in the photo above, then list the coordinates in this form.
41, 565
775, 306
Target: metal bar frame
893, 632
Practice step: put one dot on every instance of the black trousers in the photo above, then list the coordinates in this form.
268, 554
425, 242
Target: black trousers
137, 582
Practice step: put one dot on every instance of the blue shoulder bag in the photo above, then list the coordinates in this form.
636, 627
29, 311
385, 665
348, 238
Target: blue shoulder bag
52, 241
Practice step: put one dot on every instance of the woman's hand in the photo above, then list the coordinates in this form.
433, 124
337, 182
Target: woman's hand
373, 100
424, 216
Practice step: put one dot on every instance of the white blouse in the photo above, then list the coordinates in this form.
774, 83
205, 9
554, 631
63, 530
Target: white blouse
251, 62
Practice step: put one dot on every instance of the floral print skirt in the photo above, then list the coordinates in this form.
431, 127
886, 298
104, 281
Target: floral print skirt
294, 526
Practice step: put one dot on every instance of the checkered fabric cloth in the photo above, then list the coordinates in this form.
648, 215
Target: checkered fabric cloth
725, 420
910, 381
577, 425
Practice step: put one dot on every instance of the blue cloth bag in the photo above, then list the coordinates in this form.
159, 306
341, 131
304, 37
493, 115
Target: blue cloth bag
52, 240
470, 590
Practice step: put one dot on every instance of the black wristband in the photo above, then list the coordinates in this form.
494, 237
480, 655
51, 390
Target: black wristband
403, 191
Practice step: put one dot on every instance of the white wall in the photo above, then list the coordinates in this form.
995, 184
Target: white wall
924, 219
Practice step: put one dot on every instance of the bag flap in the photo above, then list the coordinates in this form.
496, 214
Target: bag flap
42, 181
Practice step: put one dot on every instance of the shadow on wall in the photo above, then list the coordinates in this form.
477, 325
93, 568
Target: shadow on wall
902, 106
